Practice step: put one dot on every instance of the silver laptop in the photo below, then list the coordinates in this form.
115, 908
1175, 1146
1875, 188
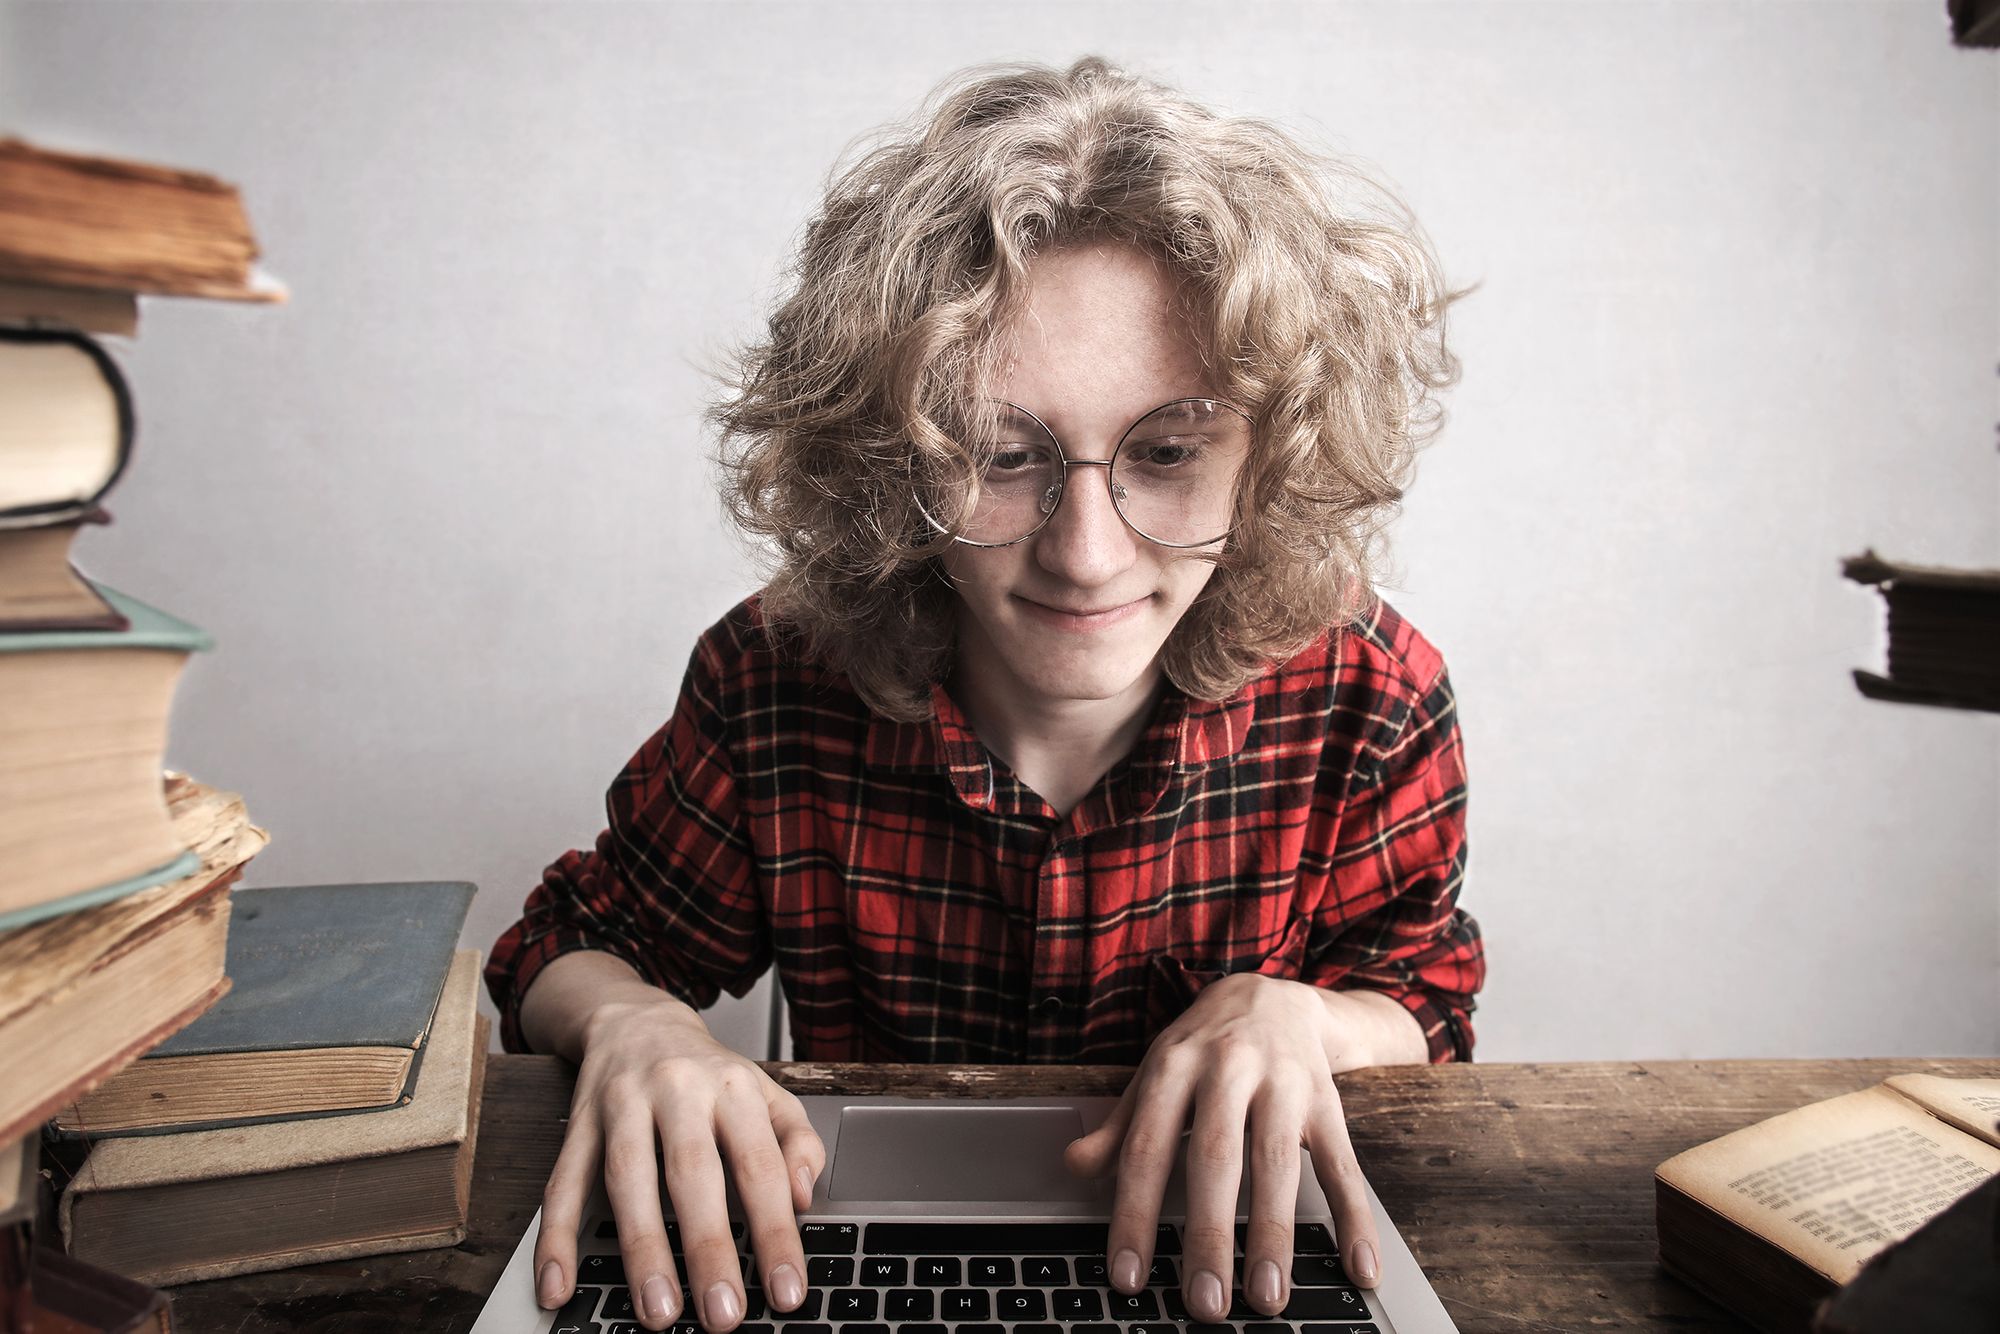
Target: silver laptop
957, 1217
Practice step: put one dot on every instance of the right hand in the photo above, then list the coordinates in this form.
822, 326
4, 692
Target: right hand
651, 1068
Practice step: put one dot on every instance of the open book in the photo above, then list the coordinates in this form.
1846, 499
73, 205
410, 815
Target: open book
1773, 1218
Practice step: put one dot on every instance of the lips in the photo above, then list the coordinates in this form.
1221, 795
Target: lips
1082, 618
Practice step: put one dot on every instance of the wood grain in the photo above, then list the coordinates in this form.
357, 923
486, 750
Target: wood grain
1525, 1190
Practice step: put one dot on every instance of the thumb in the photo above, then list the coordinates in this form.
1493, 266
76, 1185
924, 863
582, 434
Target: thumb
1095, 1154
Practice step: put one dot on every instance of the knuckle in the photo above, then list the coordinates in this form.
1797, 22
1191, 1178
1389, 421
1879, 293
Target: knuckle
1216, 1147
626, 1156
1208, 1239
1144, 1148
760, 1163
1275, 1154
688, 1157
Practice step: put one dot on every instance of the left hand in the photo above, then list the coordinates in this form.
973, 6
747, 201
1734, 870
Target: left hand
1252, 1053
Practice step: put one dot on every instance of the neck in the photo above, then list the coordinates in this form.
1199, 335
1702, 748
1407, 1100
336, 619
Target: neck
1058, 747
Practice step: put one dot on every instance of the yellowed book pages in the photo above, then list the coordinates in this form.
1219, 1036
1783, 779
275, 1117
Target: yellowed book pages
79, 308
1973, 1105
1837, 1182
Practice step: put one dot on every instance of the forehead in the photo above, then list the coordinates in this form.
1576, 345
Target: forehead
1106, 333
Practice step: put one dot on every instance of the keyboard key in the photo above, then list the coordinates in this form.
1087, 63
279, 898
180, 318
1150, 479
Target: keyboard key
965, 1304
1018, 1304
830, 1271
1266, 1327
575, 1327
581, 1305
1163, 1274
834, 1238
750, 1328
1167, 1241
1125, 1307
923, 1329
885, 1271
935, 1271
1093, 1329
850, 1304
1091, 1272
1045, 1271
909, 1304
1147, 1327
607, 1270
808, 1309
1326, 1304
1312, 1239
991, 1271
997, 1329
607, 1230
1345, 1327
1038, 1329
1071, 1304
801, 1327
753, 1303
864, 1329
1318, 1271
1199, 1328
618, 1305
626, 1327
986, 1238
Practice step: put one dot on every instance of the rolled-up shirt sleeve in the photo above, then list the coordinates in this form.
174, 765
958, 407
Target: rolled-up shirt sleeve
1390, 921
671, 886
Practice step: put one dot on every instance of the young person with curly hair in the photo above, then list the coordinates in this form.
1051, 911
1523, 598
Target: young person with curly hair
1068, 727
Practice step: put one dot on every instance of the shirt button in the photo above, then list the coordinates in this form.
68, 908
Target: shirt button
1051, 1006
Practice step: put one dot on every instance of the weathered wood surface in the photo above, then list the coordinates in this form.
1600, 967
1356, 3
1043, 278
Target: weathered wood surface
1525, 1190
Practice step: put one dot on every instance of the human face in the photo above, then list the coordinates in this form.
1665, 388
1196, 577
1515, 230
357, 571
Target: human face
1079, 611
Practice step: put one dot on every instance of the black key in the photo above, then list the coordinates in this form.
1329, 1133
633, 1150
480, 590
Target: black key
1312, 1239
1017, 1304
909, 1304
885, 1271
833, 1238
1038, 1329
1167, 1241
1176, 1308
626, 1327
1326, 1304
1045, 1271
936, 1271
753, 1303
993, 1329
685, 1326
797, 1328
850, 1304
829, 1271
748, 1328
1199, 1328
1266, 1327
1093, 1329
923, 1329
575, 1327
607, 1230
965, 1304
1345, 1327
808, 1310
1319, 1271
1163, 1274
1144, 1327
581, 1305
1091, 1271
1076, 1304
992, 1272
986, 1238
618, 1305
1129, 1306
864, 1329
604, 1269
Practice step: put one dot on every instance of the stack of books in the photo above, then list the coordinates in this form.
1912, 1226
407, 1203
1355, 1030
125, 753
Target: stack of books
114, 905
1944, 633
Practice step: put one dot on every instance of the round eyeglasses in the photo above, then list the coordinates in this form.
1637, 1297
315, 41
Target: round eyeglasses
1172, 477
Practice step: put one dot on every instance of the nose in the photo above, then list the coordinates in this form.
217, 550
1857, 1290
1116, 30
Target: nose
1085, 543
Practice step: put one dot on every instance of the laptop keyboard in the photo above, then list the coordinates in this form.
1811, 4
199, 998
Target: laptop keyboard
904, 1277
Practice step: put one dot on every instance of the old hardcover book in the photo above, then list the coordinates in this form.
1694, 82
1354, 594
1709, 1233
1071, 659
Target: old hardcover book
71, 220
334, 989
41, 590
84, 993
180, 1208
83, 730
1774, 1218
1944, 633
35, 305
65, 425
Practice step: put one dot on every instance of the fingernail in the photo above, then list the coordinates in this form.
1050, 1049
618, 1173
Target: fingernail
721, 1307
659, 1299
1364, 1262
549, 1292
1264, 1283
805, 1183
1125, 1275
1205, 1296
786, 1290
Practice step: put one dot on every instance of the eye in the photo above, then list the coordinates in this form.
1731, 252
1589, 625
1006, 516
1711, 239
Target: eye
1166, 452
1014, 458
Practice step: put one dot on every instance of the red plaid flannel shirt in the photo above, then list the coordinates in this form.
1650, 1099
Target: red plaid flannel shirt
922, 904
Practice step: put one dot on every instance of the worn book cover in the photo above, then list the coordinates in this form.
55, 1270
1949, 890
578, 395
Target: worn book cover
180, 1208
334, 988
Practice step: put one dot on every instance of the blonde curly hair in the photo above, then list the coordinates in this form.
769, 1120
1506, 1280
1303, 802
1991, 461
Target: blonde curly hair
1321, 311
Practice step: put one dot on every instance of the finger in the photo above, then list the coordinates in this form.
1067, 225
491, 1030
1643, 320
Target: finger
1096, 1153
805, 1155
1277, 1126
562, 1212
1340, 1177
1214, 1176
695, 1184
757, 1165
1160, 1095
631, 1180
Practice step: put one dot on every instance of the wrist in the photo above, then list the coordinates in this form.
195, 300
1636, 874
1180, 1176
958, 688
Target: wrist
1365, 1028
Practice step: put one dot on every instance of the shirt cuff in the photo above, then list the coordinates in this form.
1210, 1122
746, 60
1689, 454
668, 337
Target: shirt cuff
1447, 1028
516, 961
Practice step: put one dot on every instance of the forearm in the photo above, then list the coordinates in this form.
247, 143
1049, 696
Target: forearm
1367, 1028
565, 994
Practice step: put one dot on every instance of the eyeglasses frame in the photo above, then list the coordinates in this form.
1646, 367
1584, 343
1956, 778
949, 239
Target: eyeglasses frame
1066, 462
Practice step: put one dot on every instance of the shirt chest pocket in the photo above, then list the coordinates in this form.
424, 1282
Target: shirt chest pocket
1172, 985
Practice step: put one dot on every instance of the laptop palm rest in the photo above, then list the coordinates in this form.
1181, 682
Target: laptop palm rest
956, 1153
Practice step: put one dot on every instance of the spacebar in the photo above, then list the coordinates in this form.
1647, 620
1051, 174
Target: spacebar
984, 1239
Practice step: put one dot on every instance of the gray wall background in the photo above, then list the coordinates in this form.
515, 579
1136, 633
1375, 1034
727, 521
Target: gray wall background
450, 518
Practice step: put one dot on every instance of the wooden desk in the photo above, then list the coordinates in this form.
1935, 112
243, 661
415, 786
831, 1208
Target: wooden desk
1526, 1191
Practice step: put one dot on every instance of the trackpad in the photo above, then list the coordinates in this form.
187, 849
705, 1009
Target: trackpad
956, 1153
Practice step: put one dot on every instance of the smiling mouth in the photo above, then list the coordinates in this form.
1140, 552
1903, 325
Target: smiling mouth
1082, 618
